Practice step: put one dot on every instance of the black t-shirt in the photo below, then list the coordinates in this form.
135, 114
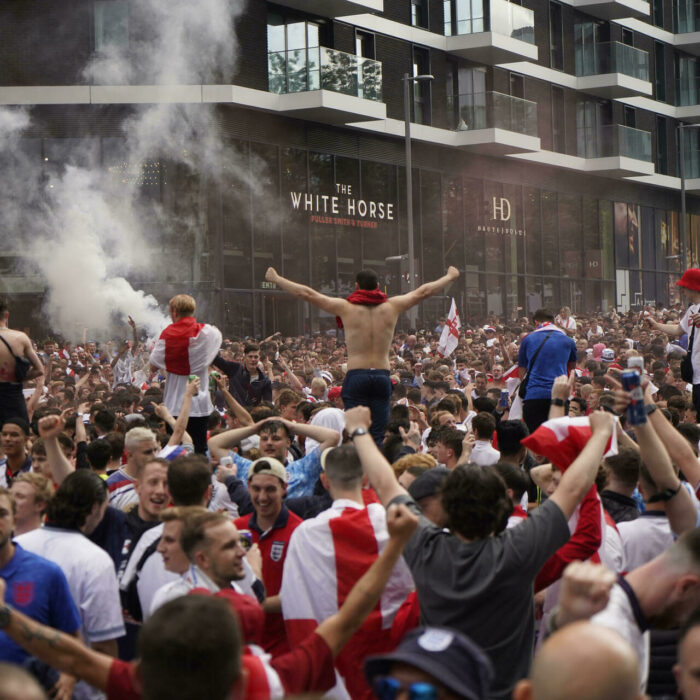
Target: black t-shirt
484, 589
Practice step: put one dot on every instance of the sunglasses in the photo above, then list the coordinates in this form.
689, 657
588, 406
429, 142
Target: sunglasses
387, 688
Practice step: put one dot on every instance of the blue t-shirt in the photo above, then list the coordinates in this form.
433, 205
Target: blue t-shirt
555, 355
38, 588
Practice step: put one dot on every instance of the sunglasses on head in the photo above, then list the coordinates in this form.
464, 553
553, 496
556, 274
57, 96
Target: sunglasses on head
387, 688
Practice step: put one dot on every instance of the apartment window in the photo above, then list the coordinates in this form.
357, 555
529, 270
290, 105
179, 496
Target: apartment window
421, 88
628, 37
657, 13
463, 16
661, 146
558, 120
556, 36
364, 44
686, 81
594, 137
292, 54
419, 13
517, 85
630, 117
111, 24
659, 72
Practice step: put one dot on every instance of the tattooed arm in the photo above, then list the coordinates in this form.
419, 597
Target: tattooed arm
59, 650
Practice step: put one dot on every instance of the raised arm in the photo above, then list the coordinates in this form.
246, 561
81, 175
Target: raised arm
578, 478
374, 464
404, 302
244, 418
179, 426
326, 437
37, 369
296, 383
49, 430
220, 444
365, 594
333, 305
673, 329
60, 651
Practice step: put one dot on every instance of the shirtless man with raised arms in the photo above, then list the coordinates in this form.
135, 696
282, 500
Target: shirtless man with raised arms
369, 318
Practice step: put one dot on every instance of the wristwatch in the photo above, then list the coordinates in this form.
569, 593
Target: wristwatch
5, 614
358, 431
650, 408
558, 402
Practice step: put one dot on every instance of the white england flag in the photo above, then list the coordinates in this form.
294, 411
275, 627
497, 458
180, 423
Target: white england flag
450, 333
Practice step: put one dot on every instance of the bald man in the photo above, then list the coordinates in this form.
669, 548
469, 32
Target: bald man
583, 661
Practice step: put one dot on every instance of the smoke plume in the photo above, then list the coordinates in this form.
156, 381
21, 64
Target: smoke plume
87, 224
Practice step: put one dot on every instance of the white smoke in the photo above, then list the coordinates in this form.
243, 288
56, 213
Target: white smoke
87, 228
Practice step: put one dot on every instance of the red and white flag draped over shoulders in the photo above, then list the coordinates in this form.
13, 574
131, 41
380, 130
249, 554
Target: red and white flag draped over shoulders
326, 556
184, 348
450, 333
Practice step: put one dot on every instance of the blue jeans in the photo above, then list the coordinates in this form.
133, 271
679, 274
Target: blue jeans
372, 388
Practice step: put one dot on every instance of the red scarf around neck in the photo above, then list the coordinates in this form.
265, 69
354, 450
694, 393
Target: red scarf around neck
364, 297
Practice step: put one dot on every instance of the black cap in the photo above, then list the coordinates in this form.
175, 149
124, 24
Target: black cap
428, 483
19, 422
449, 656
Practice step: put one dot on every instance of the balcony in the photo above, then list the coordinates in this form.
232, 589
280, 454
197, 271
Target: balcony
493, 123
326, 85
611, 70
507, 34
616, 150
333, 8
686, 25
613, 9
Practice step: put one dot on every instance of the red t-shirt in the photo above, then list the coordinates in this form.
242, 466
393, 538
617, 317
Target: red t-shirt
309, 668
273, 547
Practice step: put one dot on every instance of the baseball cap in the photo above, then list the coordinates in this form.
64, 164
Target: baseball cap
450, 657
325, 374
490, 329
428, 483
608, 355
268, 466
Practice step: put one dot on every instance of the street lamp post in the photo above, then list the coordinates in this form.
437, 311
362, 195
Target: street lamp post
407, 81
684, 233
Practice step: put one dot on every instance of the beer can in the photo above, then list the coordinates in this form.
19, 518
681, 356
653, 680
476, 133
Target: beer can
632, 382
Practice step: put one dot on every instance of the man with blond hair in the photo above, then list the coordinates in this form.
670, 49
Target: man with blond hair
141, 446
32, 493
187, 348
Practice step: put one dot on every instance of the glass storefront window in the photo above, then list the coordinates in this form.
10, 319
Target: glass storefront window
432, 259
323, 259
570, 220
295, 230
267, 237
533, 248
550, 237
474, 217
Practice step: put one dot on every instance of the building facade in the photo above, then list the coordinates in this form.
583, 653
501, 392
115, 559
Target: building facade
546, 154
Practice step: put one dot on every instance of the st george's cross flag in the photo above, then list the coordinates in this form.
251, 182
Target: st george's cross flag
184, 348
450, 333
561, 440
325, 558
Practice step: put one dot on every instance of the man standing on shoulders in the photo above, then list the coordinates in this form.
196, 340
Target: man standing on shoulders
369, 318
545, 354
14, 344
185, 348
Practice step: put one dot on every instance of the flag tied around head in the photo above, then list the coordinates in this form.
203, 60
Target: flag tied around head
450, 333
561, 440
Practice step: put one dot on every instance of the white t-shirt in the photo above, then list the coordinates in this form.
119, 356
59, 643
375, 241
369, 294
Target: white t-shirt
645, 538
91, 578
619, 615
484, 454
684, 324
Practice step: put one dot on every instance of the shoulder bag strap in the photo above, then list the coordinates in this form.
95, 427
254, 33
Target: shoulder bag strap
537, 352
